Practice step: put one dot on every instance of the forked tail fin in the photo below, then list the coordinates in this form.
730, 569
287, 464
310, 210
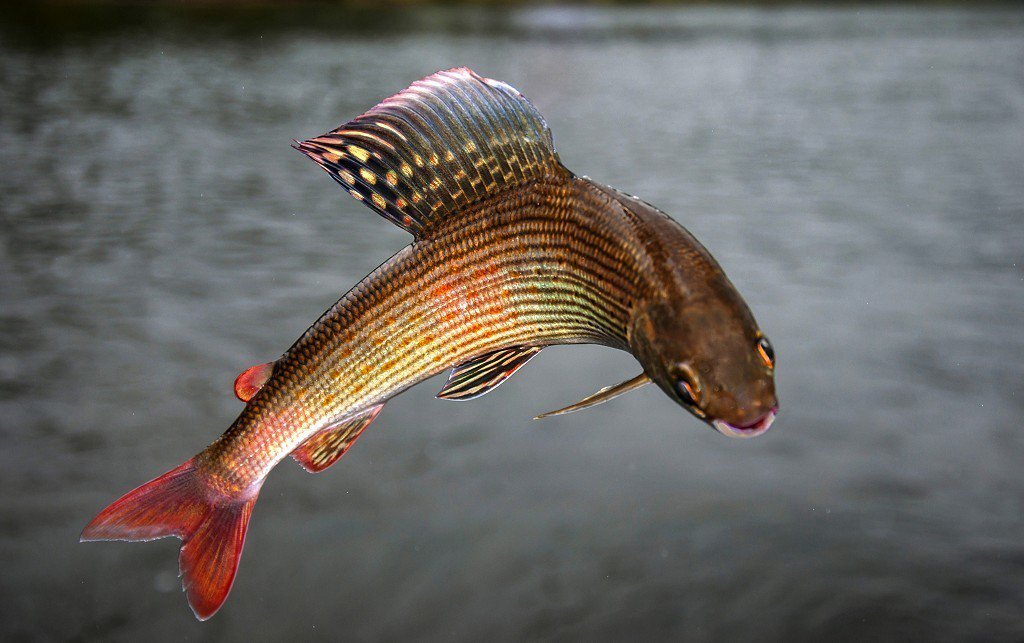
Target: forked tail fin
180, 503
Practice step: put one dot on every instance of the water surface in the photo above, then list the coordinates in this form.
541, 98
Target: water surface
858, 172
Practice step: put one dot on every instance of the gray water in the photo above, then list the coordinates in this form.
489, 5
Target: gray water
859, 173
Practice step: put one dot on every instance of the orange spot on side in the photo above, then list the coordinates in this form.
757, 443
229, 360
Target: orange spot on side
440, 291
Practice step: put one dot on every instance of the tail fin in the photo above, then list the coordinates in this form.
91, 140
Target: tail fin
179, 503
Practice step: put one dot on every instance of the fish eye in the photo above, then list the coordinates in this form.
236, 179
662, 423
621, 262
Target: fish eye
764, 348
688, 387
686, 392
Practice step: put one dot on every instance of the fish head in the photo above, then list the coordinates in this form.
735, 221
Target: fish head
707, 353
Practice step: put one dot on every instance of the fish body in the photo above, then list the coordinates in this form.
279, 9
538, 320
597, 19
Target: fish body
512, 252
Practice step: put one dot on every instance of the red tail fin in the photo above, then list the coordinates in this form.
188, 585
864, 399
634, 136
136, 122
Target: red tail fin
179, 503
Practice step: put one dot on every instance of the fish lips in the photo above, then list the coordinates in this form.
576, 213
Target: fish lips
752, 430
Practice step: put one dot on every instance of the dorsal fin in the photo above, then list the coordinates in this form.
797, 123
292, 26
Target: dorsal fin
485, 373
329, 444
446, 141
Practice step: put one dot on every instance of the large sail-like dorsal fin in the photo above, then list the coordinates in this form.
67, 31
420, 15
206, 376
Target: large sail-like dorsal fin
445, 142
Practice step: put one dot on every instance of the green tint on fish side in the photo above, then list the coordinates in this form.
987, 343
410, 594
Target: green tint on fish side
512, 252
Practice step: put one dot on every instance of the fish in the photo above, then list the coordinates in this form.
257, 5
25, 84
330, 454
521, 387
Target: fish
511, 253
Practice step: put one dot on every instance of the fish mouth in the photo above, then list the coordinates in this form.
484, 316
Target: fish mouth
751, 430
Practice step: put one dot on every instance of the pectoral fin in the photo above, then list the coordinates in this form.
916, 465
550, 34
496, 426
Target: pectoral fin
483, 374
601, 396
325, 447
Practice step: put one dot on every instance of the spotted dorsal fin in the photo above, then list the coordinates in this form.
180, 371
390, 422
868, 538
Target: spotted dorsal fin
483, 374
445, 142
328, 445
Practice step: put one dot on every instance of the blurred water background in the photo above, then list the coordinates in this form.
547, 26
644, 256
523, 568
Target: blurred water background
858, 171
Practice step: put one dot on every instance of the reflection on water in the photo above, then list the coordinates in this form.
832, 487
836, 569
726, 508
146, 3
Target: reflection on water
856, 171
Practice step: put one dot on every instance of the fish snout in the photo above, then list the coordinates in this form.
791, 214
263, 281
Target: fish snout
748, 428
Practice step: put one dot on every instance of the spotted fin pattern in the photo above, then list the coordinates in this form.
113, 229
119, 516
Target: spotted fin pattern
483, 374
448, 140
326, 447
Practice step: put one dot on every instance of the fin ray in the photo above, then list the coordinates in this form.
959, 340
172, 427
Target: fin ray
602, 396
211, 525
328, 445
485, 373
420, 155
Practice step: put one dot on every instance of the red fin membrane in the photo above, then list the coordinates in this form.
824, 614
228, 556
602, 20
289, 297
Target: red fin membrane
251, 380
209, 557
179, 503
327, 446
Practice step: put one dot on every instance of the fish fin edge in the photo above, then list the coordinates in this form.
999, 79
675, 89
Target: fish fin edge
179, 503
448, 140
484, 373
327, 446
251, 380
600, 397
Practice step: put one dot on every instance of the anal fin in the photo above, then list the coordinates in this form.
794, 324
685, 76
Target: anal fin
329, 444
483, 374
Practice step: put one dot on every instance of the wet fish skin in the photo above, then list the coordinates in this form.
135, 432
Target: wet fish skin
511, 251
507, 275
690, 322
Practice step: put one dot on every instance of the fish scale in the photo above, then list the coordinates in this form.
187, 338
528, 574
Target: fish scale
512, 252
581, 297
